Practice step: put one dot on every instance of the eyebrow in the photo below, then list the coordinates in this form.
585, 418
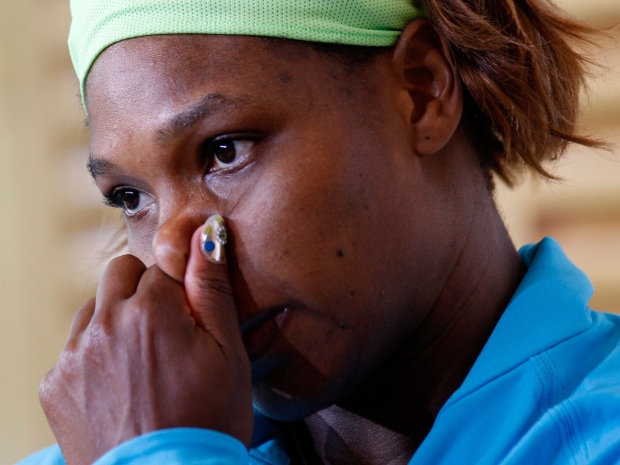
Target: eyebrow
208, 105
97, 167
176, 125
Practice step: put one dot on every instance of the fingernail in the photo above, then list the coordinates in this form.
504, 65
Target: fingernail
213, 238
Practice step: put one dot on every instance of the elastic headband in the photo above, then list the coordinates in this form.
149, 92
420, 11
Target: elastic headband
97, 24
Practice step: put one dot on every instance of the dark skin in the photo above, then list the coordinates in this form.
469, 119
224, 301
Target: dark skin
362, 233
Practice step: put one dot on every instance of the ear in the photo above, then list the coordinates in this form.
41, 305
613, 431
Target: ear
424, 63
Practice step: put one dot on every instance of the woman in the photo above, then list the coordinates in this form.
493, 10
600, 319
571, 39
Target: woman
309, 207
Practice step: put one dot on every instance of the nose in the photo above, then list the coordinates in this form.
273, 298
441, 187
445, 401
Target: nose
171, 242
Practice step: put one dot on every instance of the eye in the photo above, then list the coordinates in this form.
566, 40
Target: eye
225, 153
132, 201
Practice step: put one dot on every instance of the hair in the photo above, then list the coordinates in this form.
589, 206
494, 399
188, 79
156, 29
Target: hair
522, 78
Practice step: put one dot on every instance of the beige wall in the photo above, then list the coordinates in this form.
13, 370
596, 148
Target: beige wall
35, 306
583, 210
52, 228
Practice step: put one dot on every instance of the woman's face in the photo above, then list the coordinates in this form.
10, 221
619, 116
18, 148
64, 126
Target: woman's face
310, 163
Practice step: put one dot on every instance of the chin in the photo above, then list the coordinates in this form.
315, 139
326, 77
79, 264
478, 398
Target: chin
281, 405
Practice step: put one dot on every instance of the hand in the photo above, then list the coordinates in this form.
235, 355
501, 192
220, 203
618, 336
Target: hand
146, 354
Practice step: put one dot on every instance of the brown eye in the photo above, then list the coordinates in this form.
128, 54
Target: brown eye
130, 200
226, 153
127, 198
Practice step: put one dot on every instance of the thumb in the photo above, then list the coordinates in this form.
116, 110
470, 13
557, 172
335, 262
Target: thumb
207, 283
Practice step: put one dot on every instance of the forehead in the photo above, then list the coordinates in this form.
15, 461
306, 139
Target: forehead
168, 71
164, 69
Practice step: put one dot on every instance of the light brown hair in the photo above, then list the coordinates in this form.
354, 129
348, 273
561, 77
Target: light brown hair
522, 77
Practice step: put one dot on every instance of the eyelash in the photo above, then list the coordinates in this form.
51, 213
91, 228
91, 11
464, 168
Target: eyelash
111, 200
207, 151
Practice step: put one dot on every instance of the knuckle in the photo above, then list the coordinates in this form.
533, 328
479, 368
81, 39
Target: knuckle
119, 265
82, 318
118, 262
46, 386
88, 306
138, 313
99, 337
134, 315
114, 324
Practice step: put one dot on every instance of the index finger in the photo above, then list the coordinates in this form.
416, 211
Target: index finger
82, 319
119, 281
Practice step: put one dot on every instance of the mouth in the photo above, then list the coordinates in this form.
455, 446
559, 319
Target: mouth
260, 331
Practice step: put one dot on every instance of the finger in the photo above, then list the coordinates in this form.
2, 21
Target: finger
82, 319
119, 281
160, 290
207, 283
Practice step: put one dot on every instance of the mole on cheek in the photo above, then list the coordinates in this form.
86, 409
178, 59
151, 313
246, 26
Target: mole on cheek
285, 78
340, 253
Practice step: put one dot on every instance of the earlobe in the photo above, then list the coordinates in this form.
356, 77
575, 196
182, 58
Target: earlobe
424, 63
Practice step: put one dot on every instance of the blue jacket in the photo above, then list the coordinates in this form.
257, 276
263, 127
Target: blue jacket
544, 390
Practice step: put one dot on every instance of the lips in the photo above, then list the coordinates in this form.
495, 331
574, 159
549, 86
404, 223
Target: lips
259, 332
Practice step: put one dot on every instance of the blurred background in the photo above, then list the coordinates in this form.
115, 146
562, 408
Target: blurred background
54, 228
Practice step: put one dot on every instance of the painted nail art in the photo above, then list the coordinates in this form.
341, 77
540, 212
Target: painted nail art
213, 238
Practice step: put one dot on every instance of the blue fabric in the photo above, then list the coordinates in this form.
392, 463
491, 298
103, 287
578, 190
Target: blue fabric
188, 446
546, 387
544, 390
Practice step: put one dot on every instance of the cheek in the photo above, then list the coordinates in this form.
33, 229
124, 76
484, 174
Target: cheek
293, 232
315, 224
140, 242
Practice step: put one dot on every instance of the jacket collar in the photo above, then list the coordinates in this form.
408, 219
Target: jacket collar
549, 306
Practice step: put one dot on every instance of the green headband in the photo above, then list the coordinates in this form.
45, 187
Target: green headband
97, 24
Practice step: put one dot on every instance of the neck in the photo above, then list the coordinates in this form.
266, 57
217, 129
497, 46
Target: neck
387, 418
